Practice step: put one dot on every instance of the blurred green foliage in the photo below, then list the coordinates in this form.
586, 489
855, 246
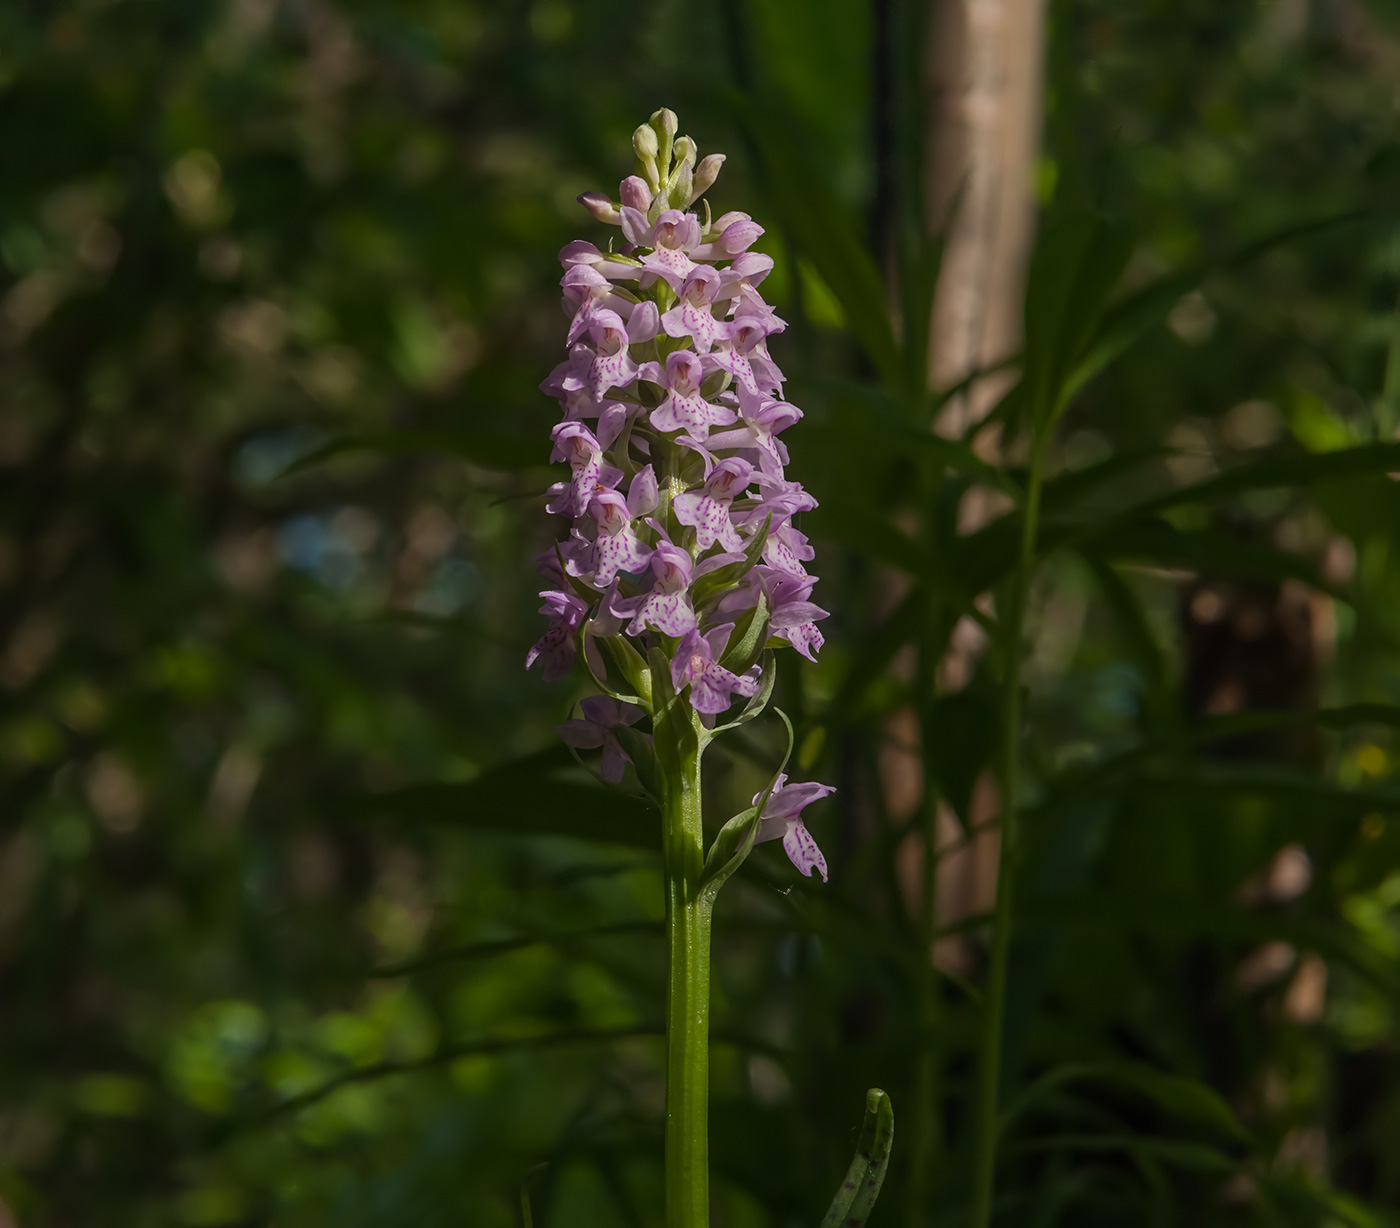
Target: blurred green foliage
304, 916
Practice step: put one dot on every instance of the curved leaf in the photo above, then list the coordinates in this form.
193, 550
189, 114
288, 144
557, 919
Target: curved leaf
526, 797
735, 840
856, 1198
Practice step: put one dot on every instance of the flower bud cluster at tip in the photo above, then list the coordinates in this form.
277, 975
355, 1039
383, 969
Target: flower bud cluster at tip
683, 533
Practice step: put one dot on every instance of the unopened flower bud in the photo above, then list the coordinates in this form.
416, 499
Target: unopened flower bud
646, 147
601, 208
664, 123
684, 151
705, 175
635, 194
644, 142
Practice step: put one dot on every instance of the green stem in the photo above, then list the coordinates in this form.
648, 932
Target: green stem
1390, 384
988, 1088
927, 1130
688, 999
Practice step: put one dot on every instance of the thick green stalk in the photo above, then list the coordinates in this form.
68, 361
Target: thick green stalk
994, 1008
688, 998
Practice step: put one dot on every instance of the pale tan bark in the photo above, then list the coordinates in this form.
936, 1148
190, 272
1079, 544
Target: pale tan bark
984, 79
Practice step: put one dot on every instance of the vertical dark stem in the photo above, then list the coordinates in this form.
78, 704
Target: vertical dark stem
926, 1132
883, 207
989, 1083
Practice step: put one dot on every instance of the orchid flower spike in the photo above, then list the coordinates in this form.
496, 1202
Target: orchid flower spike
684, 533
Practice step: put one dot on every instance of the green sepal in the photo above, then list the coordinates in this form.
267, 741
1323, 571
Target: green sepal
676, 734
630, 664
665, 297
641, 752
756, 705
735, 840
663, 692
747, 639
603, 684
856, 1198
732, 844
717, 381
730, 574
621, 450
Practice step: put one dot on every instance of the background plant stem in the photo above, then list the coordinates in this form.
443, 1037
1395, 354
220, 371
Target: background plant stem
988, 1090
926, 1135
688, 1002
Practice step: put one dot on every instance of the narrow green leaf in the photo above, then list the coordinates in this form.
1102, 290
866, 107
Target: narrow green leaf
1195, 1156
1129, 319
1314, 1205
756, 705
630, 664
604, 681
1162, 544
1133, 627
735, 840
856, 1198
526, 797
1282, 468
747, 639
640, 750
488, 451
1077, 263
1187, 1100
732, 844
710, 585
1082, 782
662, 690
828, 235
1070, 488
1155, 914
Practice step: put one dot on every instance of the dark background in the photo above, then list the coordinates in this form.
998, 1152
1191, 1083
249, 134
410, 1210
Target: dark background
306, 919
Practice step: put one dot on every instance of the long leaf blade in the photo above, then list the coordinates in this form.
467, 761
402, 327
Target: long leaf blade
855, 1199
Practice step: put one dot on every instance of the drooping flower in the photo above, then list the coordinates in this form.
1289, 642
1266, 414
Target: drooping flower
601, 715
576, 444
558, 646
792, 616
782, 819
761, 420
